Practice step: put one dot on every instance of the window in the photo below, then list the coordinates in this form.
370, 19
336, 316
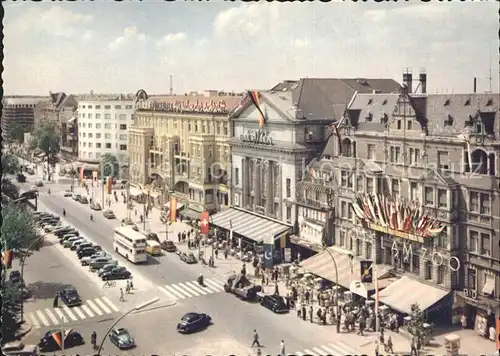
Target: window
485, 244
97, 155
485, 204
85, 144
237, 176
414, 191
395, 187
89, 106
399, 124
225, 130
369, 185
107, 136
443, 161
107, 126
90, 116
473, 241
409, 124
346, 179
440, 274
210, 152
107, 107
343, 209
84, 134
122, 117
370, 151
414, 156
123, 126
395, 154
217, 128
123, 137
97, 116
368, 250
288, 213
429, 196
342, 238
98, 145
90, 144
118, 107
128, 106
442, 198
90, 125
359, 184
108, 145
123, 147
471, 279
428, 270
359, 247
107, 116
97, 135
84, 125
288, 187
98, 106
83, 115
90, 135
474, 202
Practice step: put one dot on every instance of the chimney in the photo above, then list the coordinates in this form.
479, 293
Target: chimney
475, 85
407, 80
423, 81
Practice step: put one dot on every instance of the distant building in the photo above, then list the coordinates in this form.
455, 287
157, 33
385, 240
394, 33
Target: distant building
18, 112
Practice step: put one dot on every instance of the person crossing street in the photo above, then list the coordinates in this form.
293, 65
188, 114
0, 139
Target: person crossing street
255, 339
122, 299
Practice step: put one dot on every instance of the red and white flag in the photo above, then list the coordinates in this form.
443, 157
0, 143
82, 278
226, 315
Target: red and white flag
204, 223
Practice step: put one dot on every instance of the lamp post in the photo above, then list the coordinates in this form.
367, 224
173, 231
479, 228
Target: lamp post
138, 307
336, 280
23, 260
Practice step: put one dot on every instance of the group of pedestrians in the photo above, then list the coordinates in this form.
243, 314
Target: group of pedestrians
256, 342
128, 288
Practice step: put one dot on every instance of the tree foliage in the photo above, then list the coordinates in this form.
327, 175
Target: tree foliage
18, 228
10, 189
17, 131
11, 298
10, 164
46, 140
416, 324
110, 166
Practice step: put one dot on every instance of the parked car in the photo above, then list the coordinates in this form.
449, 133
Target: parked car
275, 303
95, 206
168, 246
83, 200
193, 322
53, 227
39, 183
113, 268
77, 243
189, 258
88, 251
122, 338
115, 274
18, 348
65, 231
99, 262
109, 214
85, 261
70, 297
67, 193
83, 245
76, 197
68, 242
70, 339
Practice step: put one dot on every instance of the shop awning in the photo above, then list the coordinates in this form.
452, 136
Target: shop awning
322, 265
489, 286
253, 226
191, 214
135, 192
178, 206
406, 291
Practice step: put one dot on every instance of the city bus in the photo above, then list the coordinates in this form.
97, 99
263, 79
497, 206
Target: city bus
130, 244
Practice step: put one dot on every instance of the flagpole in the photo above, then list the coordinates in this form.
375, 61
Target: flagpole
377, 319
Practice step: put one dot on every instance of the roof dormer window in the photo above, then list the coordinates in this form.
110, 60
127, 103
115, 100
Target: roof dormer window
490, 102
447, 102
369, 117
449, 120
384, 102
370, 101
467, 102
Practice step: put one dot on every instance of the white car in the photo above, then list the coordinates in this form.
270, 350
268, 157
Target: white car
87, 259
69, 242
77, 243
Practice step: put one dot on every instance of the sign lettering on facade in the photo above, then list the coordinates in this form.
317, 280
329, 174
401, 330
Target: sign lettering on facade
403, 235
257, 136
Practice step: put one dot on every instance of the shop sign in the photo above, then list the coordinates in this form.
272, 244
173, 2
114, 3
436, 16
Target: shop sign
259, 136
401, 234
470, 293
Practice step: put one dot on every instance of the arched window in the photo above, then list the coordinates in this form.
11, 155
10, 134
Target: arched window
479, 162
346, 147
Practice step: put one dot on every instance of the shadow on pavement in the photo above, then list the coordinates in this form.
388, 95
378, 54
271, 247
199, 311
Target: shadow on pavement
45, 290
152, 261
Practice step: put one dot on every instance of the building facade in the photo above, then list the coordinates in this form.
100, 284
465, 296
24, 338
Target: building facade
179, 145
18, 114
60, 111
103, 124
438, 155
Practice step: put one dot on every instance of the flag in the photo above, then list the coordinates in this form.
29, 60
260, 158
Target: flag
254, 97
173, 209
366, 271
57, 337
109, 185
204, 223
313, 173
81, 174
7, 258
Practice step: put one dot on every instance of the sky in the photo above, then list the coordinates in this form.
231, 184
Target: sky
120, 47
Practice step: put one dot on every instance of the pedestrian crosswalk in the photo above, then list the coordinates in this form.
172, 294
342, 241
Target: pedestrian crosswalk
56, 316
191, 289
339, 348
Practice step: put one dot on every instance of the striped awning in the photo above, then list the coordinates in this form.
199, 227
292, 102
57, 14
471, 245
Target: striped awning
253, 226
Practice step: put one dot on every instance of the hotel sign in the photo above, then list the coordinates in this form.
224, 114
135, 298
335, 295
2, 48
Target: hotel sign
401, 234
257, 136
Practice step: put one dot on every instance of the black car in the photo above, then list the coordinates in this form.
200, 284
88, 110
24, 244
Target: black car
65, 231
21, 178
189, 258
51, 339
87, 251
193, 322
15, 277
70, 297
121, 338
275, 303
115, 274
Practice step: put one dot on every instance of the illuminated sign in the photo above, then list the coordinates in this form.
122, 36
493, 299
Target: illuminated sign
257, 136
401, 234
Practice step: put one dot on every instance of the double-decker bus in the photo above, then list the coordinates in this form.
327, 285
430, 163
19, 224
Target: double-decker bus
130, 244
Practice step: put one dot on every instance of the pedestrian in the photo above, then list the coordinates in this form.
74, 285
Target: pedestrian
93, 340
244, 269
122, 299
307, 295
226, 253
304, 315
127, 288
318, 314
135, 211
413, 347
338, 324
179, 237
131, 285
141, 217
259, 353
463, 320
311, 314
216, 253
377, 349
282, 348
276, 289
255, 339
56, 300
390, 347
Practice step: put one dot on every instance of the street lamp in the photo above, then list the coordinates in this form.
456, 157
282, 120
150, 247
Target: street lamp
23, 260
136, 308
336, 280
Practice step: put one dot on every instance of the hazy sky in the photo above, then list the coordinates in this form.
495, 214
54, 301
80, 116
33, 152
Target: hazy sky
121, 47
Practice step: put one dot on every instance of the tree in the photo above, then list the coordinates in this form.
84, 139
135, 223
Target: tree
416, 324
110, 166
16, 132
18, 228
47, 141
11, 298
10, 189
10, 164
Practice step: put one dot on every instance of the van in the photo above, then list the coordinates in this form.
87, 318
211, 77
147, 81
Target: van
18, 348
153, 248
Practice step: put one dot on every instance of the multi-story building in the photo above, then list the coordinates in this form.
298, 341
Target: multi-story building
179, 145
272, 144
103, 124
431, 162
18, 114
60, 110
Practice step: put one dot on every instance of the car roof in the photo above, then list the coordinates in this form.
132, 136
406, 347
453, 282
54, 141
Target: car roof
120, 331
190, 315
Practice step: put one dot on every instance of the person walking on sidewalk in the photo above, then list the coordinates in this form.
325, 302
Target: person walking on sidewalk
413, 347
282, 348
377, 349
226, 253
311, 314
122, 299
390, 346
255, 339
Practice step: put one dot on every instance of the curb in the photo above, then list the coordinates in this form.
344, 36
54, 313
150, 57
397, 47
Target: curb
172, 303
28, 329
